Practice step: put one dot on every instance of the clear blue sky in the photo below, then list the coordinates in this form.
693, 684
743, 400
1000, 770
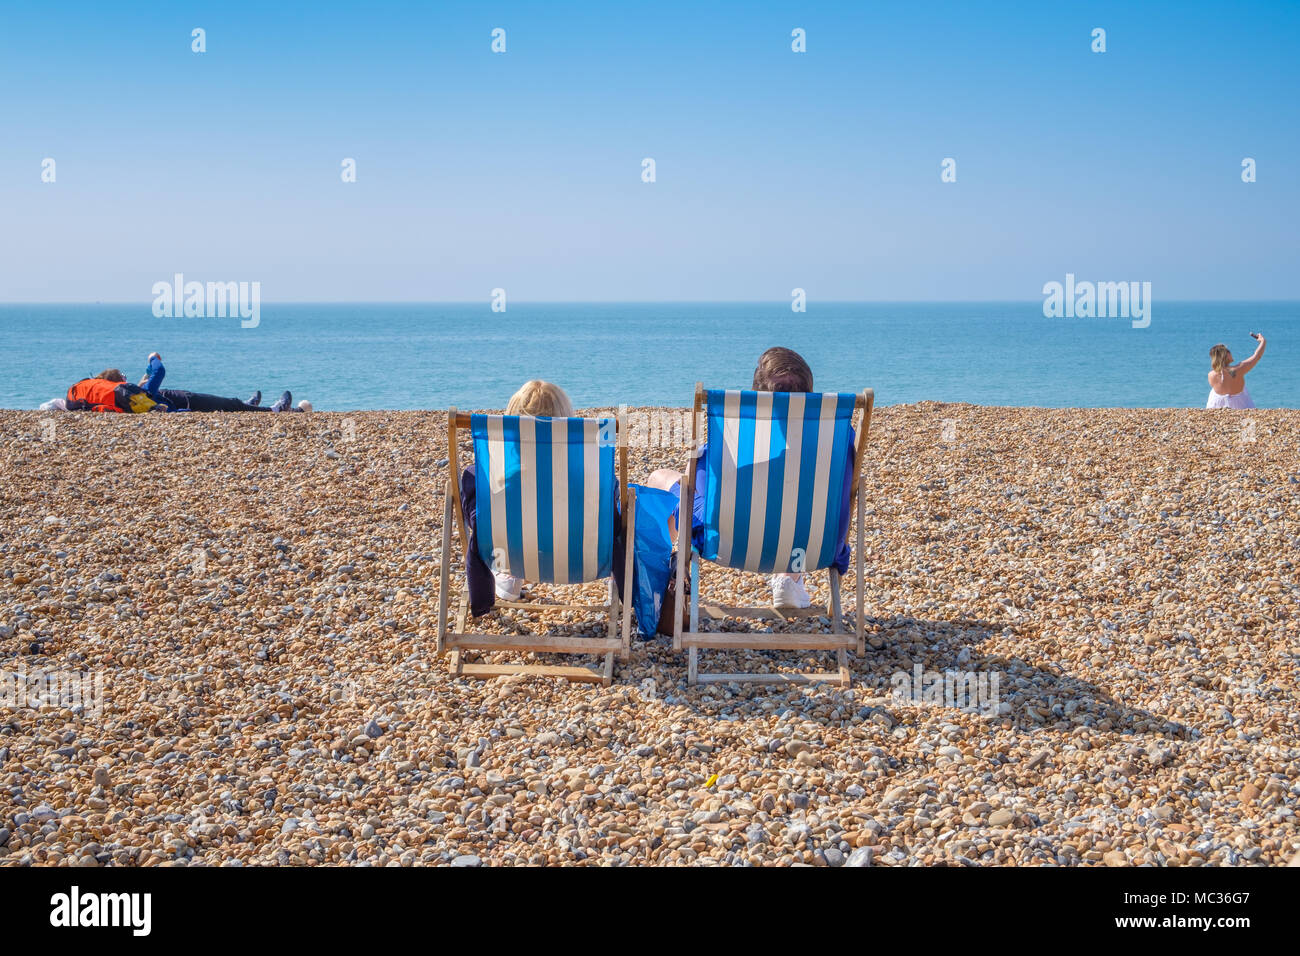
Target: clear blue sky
775, 169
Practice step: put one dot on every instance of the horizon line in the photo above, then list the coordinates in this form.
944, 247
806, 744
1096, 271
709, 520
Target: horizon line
487, 301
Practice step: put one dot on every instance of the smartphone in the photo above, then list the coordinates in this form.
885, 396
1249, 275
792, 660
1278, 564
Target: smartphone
1254, 335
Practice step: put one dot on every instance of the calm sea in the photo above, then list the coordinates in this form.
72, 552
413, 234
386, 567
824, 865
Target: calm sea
401, 356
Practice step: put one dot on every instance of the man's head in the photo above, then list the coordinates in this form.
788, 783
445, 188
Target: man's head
782, 370
111, 375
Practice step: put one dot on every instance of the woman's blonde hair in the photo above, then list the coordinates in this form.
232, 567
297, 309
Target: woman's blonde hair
111, 375
1220, 358
540, 398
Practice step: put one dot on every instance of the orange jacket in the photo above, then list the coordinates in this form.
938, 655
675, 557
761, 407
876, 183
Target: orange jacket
101, 395
98, 393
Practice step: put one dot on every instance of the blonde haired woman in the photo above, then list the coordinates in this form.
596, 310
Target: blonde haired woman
1228, 380
541, 399
538, 399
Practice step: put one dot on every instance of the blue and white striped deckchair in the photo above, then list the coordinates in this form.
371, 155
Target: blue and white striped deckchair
547, 506
775, 500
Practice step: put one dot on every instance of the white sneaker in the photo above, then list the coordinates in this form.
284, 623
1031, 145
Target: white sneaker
788, 591
509, 588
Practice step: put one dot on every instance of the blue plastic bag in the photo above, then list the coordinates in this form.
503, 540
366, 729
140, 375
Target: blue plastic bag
651, 555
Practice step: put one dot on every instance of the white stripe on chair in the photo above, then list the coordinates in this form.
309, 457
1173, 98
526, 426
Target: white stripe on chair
497, 491
591, 498
790, 483
762, 452
727, 481
560, 498
528, 495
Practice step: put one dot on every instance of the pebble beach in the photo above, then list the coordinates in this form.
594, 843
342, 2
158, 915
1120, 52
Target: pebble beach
256, 596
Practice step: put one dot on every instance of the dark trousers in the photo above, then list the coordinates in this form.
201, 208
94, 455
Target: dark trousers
176, 398
478, 576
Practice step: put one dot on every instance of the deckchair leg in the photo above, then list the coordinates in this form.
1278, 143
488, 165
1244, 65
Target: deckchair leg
859, 568
457, 660
837, 616
695, 592
693, 665
612, 630
445, 571
684, 517
627, 577
462, 613
612, 624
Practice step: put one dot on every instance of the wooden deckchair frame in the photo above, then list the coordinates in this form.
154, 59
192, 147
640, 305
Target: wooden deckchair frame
839, 640
454, 643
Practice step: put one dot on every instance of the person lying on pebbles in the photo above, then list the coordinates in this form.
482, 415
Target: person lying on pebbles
176, 399
109, 391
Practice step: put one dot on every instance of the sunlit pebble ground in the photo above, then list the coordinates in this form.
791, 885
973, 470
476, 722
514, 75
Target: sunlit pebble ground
1128, 574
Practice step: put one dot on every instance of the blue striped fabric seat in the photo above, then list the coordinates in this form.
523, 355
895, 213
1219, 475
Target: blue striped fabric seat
776, 465
546, 496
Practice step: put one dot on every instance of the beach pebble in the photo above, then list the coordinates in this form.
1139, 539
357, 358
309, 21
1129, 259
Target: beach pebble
860, 857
